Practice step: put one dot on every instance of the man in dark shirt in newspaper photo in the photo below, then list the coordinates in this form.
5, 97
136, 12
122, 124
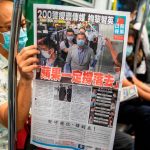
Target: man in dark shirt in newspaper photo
48, 55
80, 56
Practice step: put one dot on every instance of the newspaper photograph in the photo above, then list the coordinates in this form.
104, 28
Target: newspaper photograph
76, 90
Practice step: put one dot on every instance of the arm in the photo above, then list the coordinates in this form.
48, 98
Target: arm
140, 84
63, 47
68, 59
25, 61
67, 67
112, 51
143, 94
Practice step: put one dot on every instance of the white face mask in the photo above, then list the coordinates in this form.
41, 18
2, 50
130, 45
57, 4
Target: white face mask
45, 54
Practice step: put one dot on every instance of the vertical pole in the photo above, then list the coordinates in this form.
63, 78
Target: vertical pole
139, 35
12, 73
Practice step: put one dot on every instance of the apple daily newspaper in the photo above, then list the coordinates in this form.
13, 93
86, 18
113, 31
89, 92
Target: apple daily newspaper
76, 90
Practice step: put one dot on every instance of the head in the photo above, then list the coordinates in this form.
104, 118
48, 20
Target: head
5, 27
81, 39
82, 30
88, 28
48, 48
70, 34
130, 6
130, 42
93, 100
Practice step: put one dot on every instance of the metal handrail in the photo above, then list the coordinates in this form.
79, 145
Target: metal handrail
12, 73
139, 36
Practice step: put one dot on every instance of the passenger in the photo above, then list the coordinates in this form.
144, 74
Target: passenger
136, 111
26, 64
131, 6
131, 111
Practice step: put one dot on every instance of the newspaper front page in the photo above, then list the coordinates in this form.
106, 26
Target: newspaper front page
77, 87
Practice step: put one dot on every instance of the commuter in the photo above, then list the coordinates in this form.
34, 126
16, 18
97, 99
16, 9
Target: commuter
25, 61
131, 6
136, 112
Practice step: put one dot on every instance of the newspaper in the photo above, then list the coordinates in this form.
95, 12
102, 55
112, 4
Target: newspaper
77, 86
128, 93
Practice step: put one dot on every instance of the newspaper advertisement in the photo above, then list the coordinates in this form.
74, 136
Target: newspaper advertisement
76, 90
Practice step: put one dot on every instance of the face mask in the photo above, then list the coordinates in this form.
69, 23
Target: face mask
70, 38
45, 54
95, 27
88, 30
129, 50
22, 39
80, 42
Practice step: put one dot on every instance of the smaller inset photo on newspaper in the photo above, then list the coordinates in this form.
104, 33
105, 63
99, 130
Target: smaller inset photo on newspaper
63, 92
102, 106
112, 109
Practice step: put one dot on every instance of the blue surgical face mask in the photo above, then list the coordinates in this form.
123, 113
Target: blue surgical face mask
22, 39
88, 30
70, 38
80, 42
129, 50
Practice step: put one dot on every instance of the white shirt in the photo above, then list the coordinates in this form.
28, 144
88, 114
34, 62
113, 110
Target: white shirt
3, 99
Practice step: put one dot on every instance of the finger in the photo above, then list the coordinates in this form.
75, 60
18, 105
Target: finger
27, 48
29, 53
28, 62
30, 68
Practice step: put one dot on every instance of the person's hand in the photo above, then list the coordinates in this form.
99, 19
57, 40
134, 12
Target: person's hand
26, 61
108, 43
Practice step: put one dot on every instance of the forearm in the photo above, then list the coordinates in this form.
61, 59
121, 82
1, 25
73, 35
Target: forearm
126, 82
141, 84
143, 94
4, 114
23, 101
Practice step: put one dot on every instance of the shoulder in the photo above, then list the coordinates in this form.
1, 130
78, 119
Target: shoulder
62, 44
73, 48
90, 50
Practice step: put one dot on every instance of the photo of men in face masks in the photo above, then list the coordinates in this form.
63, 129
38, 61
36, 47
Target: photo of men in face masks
80, 56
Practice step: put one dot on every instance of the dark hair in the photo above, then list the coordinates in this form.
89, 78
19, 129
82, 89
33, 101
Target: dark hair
133, 32
50, 43
81, 34
82, 28
70, 30
127, 5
